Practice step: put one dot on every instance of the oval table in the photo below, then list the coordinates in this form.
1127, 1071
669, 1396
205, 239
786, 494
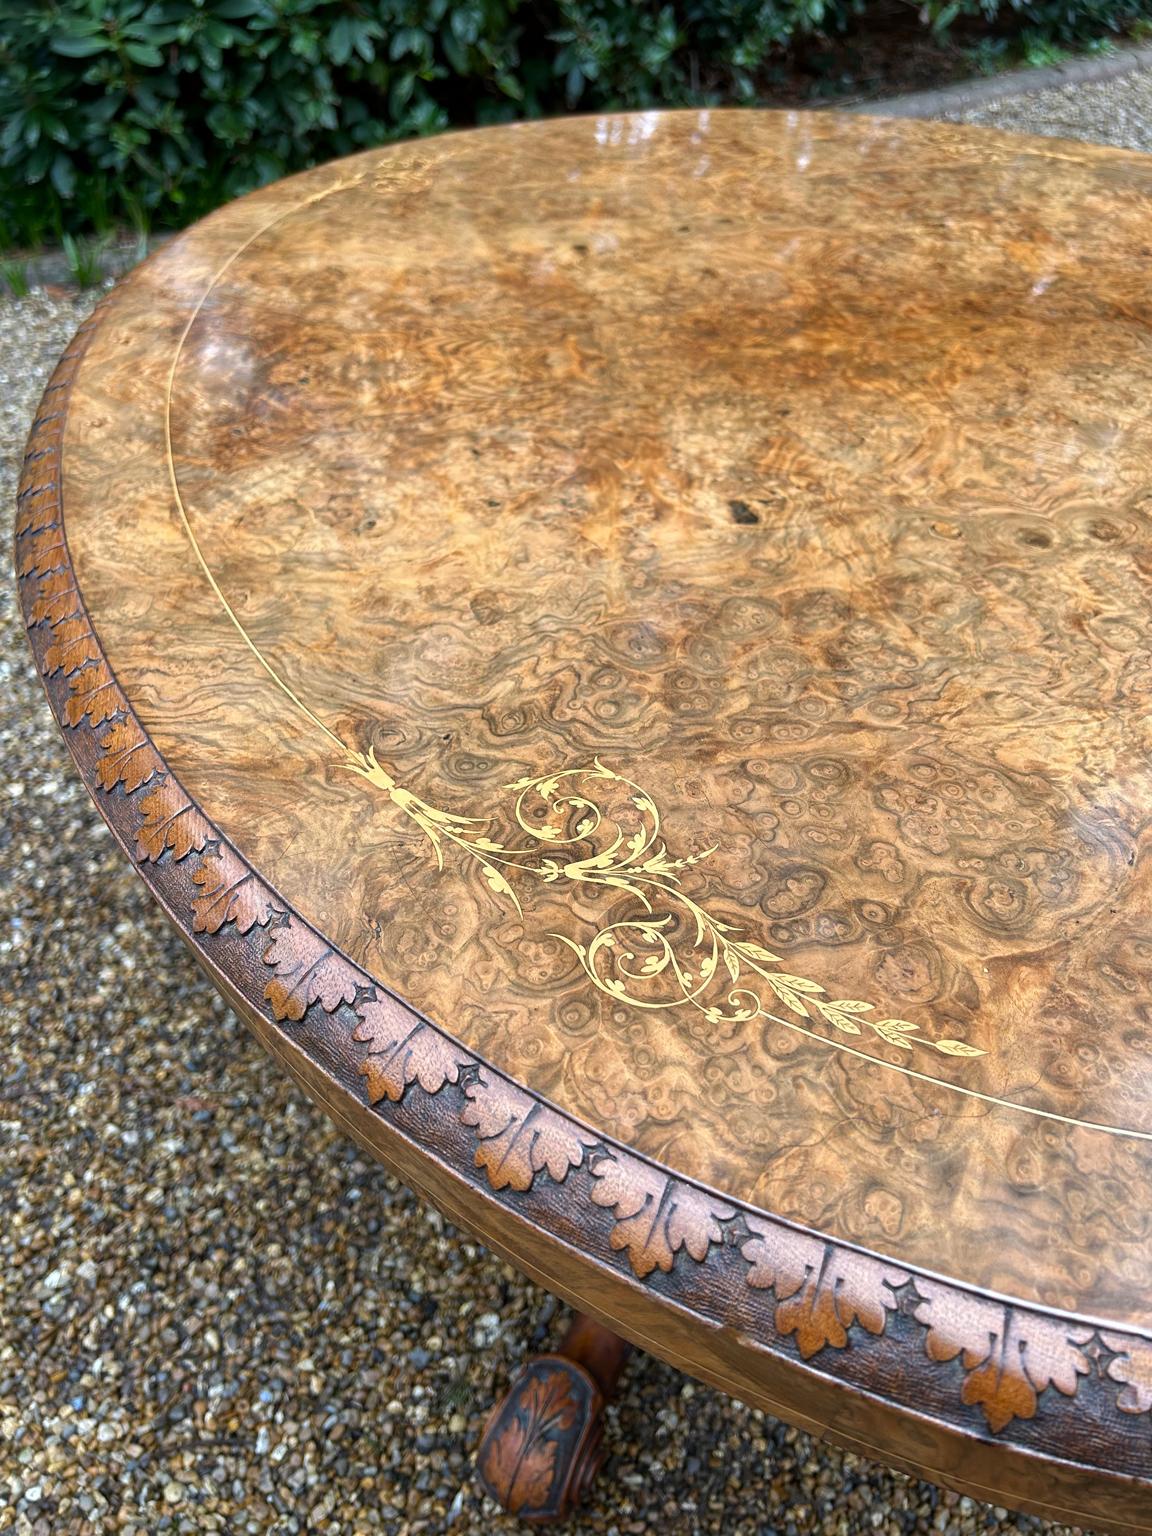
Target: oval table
623, 647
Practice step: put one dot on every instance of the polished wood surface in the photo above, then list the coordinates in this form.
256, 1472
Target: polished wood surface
797, 471
647, 618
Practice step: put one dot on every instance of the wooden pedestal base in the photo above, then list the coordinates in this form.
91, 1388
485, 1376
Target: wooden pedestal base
543, 1443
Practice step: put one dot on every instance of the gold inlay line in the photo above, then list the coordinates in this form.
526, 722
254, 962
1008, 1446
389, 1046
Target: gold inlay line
635, 860
181, 511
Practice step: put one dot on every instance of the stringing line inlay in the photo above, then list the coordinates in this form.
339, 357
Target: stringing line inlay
635, 860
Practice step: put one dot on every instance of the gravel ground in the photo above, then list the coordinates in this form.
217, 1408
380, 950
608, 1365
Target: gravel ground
1117, 111
216, 1316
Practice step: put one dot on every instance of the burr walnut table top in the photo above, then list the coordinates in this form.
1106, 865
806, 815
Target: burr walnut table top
624, 645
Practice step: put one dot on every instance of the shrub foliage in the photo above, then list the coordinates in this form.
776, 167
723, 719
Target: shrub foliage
150, 112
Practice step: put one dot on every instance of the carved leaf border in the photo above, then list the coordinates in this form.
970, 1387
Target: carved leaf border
823, 1295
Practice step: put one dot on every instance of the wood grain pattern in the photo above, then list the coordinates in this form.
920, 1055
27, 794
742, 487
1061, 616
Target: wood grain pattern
543, 1443
1026, 741
474, 473
524, 1457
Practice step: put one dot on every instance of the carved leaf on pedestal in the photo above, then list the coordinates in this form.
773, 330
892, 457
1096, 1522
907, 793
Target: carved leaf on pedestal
656, 1216
1132, 1367
73, 643
821, 1290
519, 1137
307, 972
1010, 1357
519, 1458
95, 695
129, 757
170, 821
230, 893
403, 1050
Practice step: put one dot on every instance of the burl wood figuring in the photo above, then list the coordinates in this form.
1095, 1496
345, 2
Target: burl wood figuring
623, 644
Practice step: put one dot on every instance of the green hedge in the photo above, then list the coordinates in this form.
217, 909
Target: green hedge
151, 112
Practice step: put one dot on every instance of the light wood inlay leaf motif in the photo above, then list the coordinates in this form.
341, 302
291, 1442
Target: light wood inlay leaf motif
726, 978
1009, 1356
822, 1291
1132, 1367
656, 1216
307, 971
229, 893
520, 1137
402, 1051
674, 952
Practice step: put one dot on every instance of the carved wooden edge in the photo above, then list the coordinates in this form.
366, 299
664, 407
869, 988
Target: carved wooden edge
873, 1325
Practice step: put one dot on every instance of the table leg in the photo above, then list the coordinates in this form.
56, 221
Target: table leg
543, 1443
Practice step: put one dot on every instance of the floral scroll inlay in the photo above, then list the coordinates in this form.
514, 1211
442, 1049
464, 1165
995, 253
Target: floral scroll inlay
604, 831
727, 978
1008, 1357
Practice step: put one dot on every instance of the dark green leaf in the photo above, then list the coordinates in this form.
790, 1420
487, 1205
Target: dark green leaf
81, 46
63, 176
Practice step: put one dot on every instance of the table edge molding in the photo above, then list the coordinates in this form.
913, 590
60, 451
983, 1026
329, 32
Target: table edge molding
994, 1364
